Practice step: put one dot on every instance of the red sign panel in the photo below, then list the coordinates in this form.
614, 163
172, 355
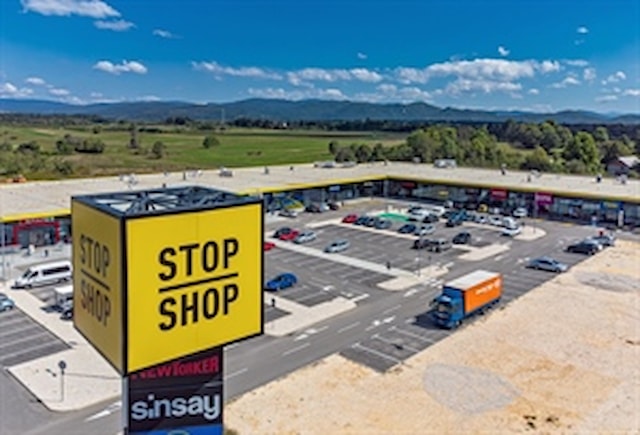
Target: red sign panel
543, 198
499, 194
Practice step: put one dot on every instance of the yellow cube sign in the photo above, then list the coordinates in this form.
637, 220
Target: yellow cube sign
193, 282
97, 280
154, 285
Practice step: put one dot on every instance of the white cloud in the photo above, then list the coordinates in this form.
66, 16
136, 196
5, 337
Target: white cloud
503, 51
84, 8
548, 66
578, 41
589, 74
116, 26
37, 81
365, 75
408, 75
606, 98
568, 81
8, 89
533, 91
361, 56
59, 92
389, 92
631, 93
125, 66
582, 30
615, 77
576, 62
164, 34
487, 86
248, 71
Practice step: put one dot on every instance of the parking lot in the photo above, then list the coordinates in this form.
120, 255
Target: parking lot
22, 339
402, 329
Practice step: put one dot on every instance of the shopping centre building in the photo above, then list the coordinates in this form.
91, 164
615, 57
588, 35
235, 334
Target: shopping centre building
38, 213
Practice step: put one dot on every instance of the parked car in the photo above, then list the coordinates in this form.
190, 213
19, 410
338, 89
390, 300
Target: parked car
67, 314
350, 219
425, 230
371, 221
337, 246
6, 303
439, 245
495, 221
605, 240
509, 222
282, 281
461, 238
285, 212
333, 205
407, 229
520, 212
268, 246
495, 210
430, 218
511, 231
456, 219
361, 220
383, 224
480, 219
286, 233
422, 243
313, 208
547, 263
305, 236
588, 247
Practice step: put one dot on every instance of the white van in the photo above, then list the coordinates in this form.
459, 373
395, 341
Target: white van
47, 273
62, 295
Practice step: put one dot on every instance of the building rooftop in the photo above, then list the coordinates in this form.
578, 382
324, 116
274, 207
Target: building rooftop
45, 198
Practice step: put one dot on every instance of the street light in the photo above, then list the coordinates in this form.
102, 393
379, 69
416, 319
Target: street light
62, 365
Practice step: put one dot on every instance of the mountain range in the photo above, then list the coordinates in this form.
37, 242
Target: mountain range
305, 110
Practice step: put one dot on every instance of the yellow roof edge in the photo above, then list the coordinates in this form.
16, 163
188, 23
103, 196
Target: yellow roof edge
35, 215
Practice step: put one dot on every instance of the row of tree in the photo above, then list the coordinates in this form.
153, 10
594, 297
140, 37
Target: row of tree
555, 148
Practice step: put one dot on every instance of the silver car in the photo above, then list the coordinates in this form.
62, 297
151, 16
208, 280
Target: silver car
425, 230
337, 246
547, 263
305, 236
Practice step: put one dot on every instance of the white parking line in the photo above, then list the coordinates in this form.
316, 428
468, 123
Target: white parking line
393, 343
410, 334
346, 328
22, 340
361, 297
13, 331
375, 352
6, 356
236, 373
15, 319
295, 349
388, 310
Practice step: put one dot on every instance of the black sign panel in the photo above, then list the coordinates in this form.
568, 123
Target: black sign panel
181, 393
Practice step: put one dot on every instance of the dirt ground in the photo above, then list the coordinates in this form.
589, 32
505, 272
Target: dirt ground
564, 358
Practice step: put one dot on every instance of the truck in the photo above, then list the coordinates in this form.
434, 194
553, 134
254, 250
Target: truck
62, 296
471, 294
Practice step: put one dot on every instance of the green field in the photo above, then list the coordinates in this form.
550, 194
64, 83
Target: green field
184, 150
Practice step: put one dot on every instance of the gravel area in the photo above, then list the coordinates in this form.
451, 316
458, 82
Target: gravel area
564, 358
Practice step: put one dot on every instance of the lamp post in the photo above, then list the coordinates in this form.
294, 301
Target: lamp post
62, 365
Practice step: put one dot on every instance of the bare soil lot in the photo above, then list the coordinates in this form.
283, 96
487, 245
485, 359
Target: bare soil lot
564, 358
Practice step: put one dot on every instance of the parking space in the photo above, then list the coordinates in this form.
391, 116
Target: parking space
320, 280
22, 339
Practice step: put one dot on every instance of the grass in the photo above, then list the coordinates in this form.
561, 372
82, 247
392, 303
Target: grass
238, 147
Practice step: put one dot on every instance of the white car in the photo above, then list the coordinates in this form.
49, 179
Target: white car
520, 212
337, 246
512, 231
495, 221
425, 230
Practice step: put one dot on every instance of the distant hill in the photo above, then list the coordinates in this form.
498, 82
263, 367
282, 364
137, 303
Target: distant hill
305, 110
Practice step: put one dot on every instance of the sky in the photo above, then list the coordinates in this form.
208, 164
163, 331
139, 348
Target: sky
534, 55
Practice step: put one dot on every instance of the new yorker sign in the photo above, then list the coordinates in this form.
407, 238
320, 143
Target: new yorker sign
156, 286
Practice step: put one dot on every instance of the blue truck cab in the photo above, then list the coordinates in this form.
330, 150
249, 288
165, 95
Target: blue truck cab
464, 297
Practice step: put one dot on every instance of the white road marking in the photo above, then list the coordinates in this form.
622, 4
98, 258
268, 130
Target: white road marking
361, 297
394, 343
301, 337
295, 349
375, 352
499, 257
346, 328
448, 265
388, 310
411, 292
105, 412
236, 373
411, 334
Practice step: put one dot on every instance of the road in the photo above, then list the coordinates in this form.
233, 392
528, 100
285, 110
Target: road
263, 359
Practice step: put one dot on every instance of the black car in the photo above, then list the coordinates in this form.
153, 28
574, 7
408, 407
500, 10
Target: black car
439, 245
371, 221
407, 229
430, 219
361, 220
282, 231
333, 205
422, 243
313, 208
588, 247
461, 238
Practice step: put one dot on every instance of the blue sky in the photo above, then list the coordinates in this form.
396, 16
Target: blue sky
539, 55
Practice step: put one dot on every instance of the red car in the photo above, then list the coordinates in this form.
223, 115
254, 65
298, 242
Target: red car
268, 246
286, 233
350, 218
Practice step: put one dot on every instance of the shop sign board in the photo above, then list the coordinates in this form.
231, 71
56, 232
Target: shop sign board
543, 198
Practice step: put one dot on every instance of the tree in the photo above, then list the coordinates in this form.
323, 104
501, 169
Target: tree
363, 153
158, 150
64, 147
538, 160
550, 138
333, 147
133, 139
601, 135
210, 141
611, 150
29, 147
345, 154
584, 150
379, 153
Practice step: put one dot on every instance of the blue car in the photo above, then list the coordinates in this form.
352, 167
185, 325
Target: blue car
281, 282
6, 303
